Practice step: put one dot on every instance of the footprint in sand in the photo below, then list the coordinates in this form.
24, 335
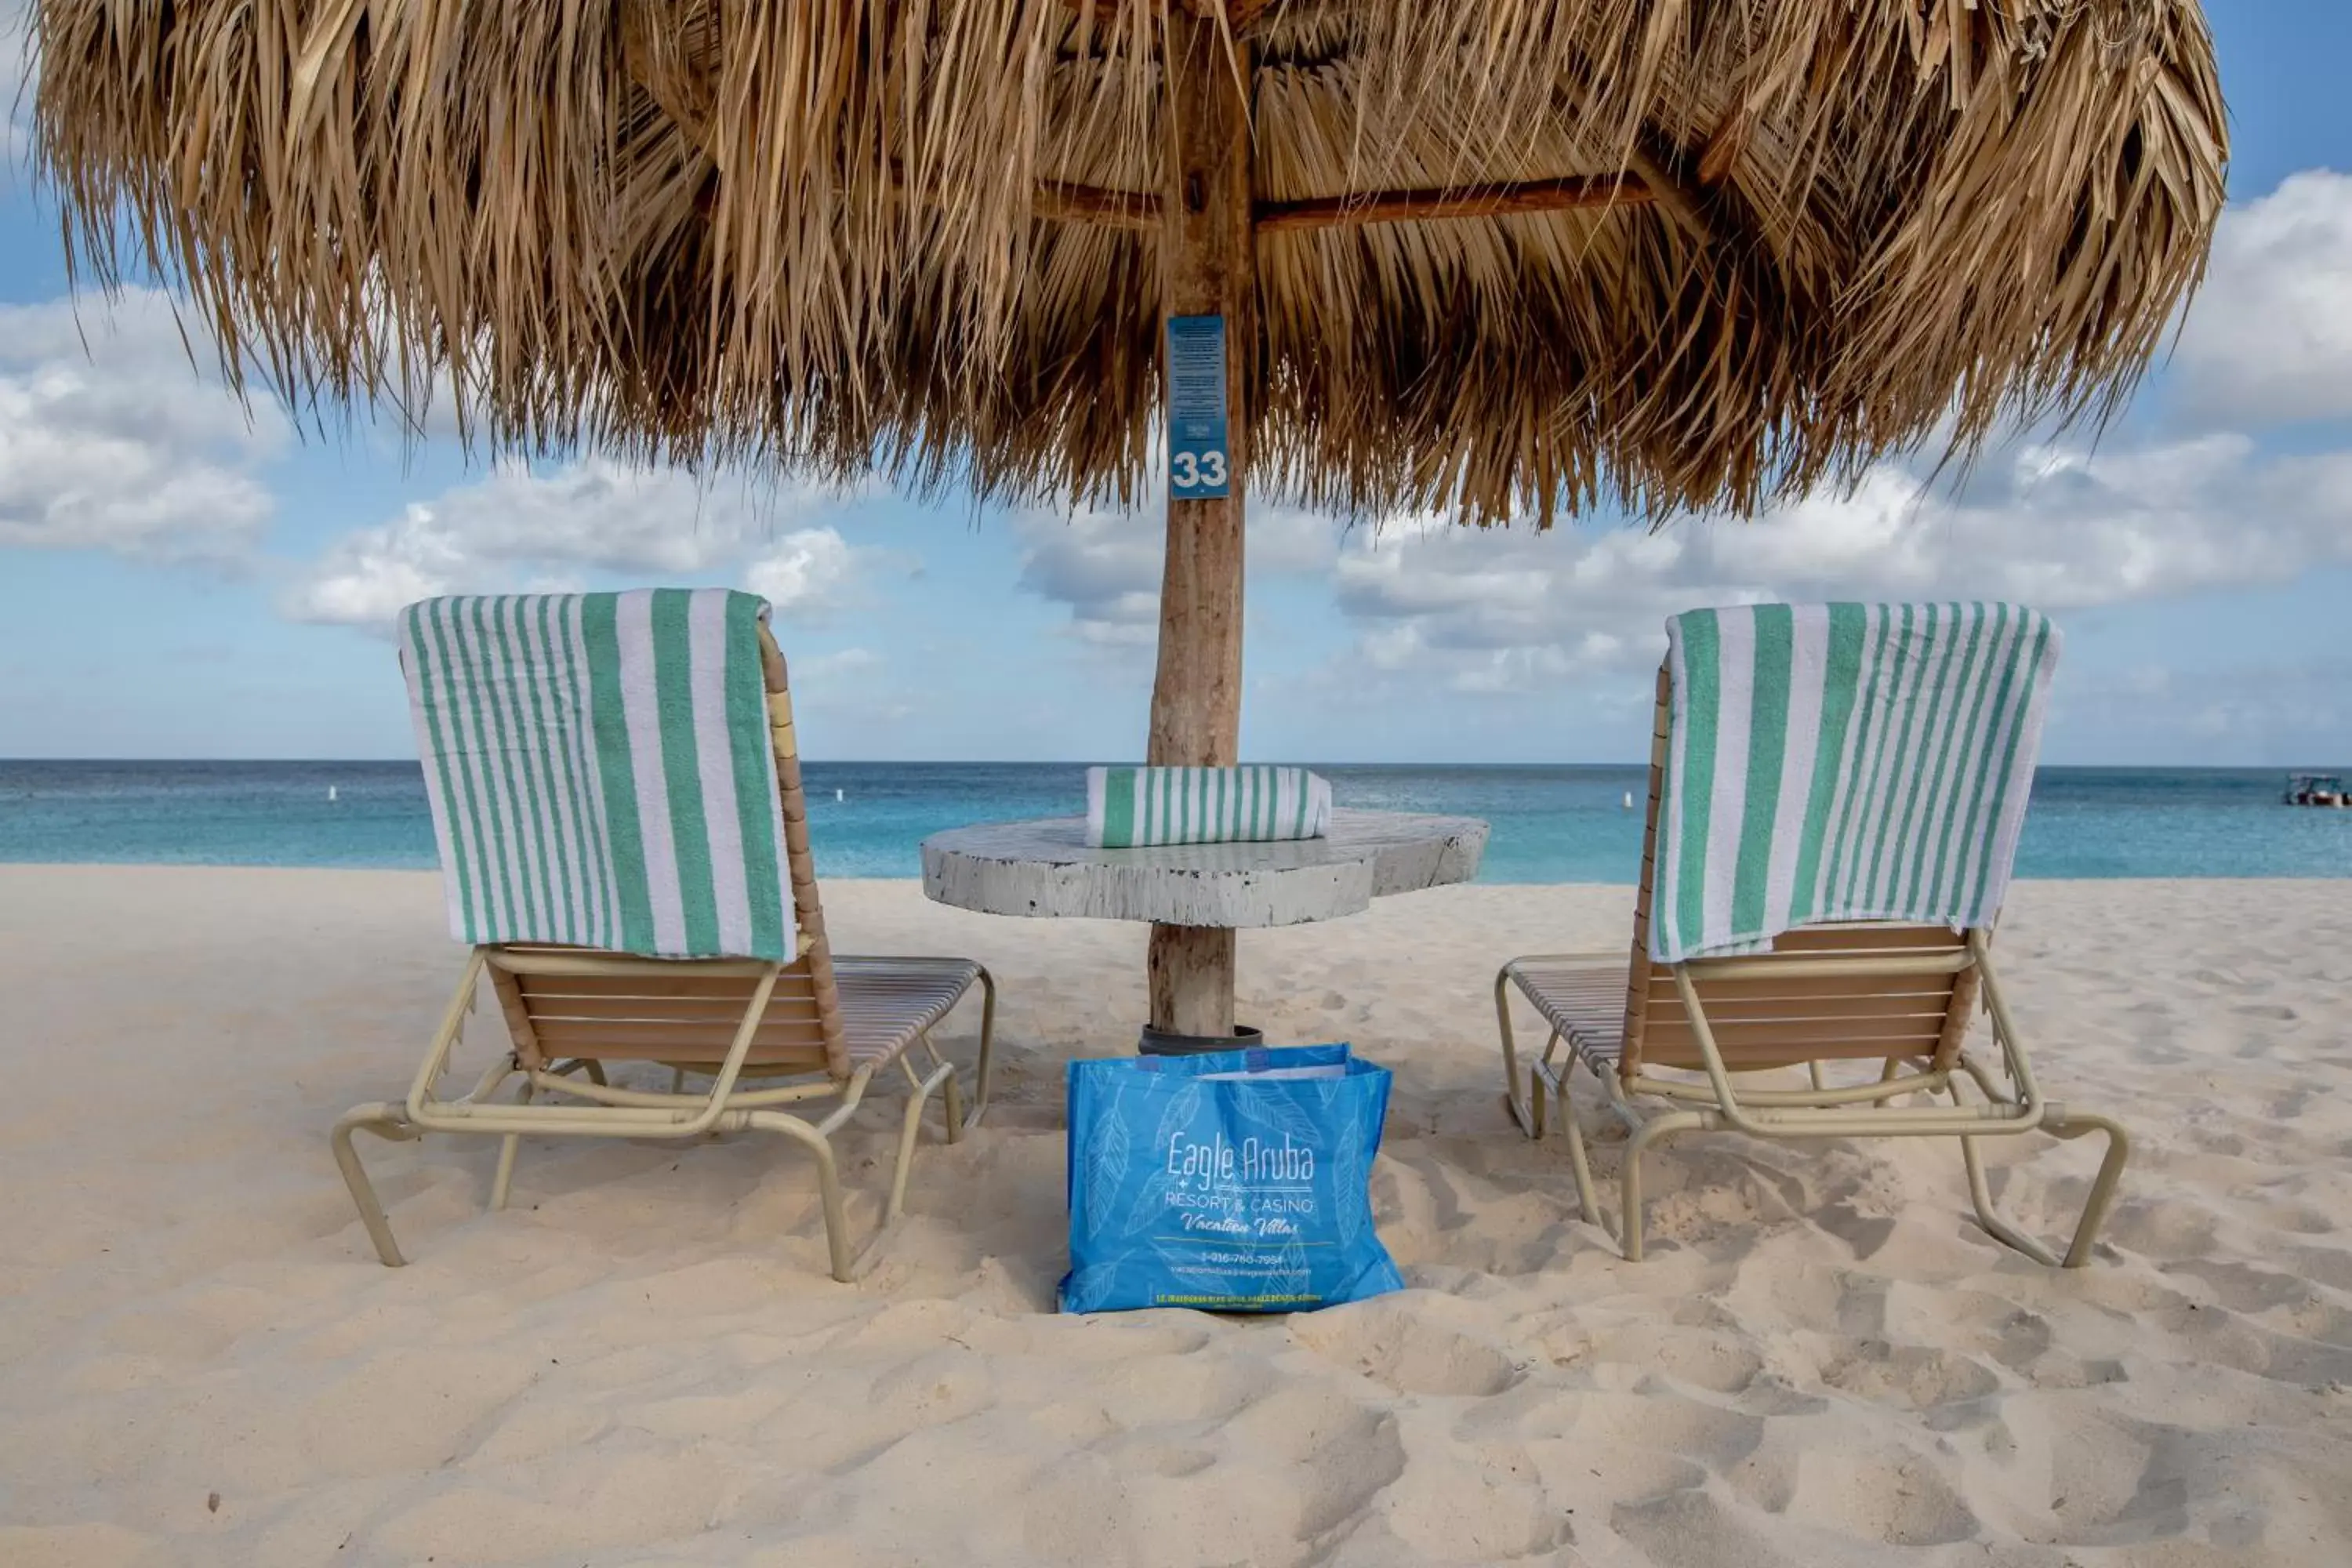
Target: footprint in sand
1713, 1359
1667, 1422
2243, 1287
1908, 1377
1880, 1495
1395, 1346
1338, 1454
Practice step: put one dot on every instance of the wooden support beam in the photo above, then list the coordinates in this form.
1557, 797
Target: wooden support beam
1566, 194
1189, 971
1675, 197
1208, 267
1657, 164
1064, 201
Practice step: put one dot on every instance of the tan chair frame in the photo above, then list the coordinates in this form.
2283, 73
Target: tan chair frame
818, 1066
2013, 1103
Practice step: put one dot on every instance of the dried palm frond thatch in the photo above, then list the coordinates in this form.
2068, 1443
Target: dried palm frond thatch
1510, 255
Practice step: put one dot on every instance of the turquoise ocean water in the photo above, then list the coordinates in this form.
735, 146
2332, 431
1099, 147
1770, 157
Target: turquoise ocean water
1550, 823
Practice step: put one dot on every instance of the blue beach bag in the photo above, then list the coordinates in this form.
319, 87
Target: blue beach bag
1233, 1182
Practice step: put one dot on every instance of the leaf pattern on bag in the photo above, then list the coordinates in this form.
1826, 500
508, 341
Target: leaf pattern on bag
1090, 1289
1184, 1106
1290, 1277
1149, 1201
1103, 1169
1274, 1107
1350, 1182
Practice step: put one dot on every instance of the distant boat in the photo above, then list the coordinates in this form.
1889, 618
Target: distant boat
331, 792
840, 794
2317, 789
1628, 800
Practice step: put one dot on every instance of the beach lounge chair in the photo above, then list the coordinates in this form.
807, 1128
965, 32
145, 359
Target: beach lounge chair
617, 796
1836, 797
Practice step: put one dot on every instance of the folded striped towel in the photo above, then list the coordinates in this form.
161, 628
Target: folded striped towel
600, 770
1128, 807
1845, 761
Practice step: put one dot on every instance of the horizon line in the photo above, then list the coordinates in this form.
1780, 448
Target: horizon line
1084, 762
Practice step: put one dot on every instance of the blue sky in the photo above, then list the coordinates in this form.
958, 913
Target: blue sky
179, 578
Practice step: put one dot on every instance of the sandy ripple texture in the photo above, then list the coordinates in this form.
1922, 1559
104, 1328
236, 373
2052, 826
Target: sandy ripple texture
1823, 1362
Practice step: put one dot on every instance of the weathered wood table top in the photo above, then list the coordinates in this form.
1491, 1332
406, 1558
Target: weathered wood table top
1044, 868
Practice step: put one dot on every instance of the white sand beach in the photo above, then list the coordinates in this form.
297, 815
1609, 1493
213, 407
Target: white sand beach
1823, 1362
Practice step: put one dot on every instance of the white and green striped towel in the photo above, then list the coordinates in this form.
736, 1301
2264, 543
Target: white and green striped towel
600, 770
1130, 807
1845, 761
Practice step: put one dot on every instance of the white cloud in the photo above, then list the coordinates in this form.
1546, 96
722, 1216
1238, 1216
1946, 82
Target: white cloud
2247, 714
111, 439
2056, 527
519, 529
2270, 336
1104, 564
805, 572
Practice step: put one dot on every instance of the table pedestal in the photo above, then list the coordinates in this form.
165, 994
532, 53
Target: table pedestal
1191, 969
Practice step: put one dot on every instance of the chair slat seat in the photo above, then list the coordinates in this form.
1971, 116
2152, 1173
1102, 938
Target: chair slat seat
888, 1003
1584, 999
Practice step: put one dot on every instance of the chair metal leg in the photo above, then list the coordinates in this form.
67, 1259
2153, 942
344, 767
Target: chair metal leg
911, 1129
1579, 1165
952, 1093
2000, 1230
828, 1181
1629, 1240
504, 1178
2067, 1124
503, 1181
387, 1121
1523, 1111
2074, 1124
984, 1073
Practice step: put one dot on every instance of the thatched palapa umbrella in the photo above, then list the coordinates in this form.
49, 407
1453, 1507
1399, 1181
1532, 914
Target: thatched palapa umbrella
1506, 257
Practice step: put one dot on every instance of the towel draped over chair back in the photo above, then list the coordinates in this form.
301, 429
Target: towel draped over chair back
601, 771
1843, 762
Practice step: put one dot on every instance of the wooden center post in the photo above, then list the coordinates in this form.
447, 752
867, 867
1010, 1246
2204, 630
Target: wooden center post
1209, 269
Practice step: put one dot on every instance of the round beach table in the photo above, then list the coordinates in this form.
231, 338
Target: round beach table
1043, 869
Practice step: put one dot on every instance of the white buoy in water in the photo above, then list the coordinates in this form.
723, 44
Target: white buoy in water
1628, 800
330, 792
840, 794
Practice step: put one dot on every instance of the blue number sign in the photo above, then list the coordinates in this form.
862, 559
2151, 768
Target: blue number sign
1197, 460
